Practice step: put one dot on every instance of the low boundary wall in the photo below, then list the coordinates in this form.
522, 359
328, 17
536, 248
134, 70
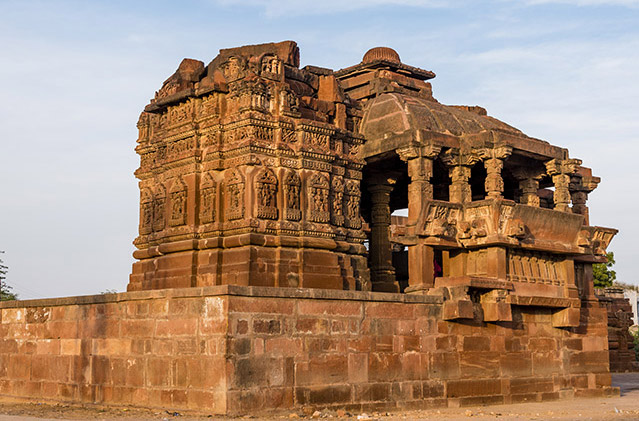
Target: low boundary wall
233, 350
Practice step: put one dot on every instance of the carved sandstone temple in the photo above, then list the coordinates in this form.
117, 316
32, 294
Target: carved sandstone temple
256, 172
273, 274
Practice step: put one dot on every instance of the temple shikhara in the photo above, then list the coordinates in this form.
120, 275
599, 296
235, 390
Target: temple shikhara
320, 238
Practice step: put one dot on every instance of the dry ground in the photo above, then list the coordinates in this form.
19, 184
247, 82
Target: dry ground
625, 407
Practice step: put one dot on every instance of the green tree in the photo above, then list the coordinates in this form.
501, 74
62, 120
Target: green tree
5, 290
602, 274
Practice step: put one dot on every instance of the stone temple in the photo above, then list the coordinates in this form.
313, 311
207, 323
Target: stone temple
273, 272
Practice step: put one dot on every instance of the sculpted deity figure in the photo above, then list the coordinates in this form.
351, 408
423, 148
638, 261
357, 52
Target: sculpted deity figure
235, 195
208, 200
178, 203
146, 211
159, 201
337, 208
319, 188
266, 186
292, 184
271, 64
352, 192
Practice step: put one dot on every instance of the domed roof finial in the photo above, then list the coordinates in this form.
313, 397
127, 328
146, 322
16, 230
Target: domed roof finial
381, 53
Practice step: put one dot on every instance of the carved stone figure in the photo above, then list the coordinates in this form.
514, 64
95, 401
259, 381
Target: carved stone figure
266, 187
271, 66
337, 201
208, 204
292, 185
159, 209
146, 211
318, 192
353, 218
178, 203
235, 195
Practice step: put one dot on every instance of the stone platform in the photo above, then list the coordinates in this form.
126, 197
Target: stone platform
234, 350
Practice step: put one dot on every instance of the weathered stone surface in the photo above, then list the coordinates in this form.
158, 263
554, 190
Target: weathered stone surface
282, 348
620, 342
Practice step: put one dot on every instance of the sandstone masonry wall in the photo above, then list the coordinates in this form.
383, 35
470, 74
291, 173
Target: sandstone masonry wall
620, 342
231, 350
152, 350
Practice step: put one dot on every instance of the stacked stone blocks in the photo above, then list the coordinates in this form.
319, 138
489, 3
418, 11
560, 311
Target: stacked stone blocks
237, 350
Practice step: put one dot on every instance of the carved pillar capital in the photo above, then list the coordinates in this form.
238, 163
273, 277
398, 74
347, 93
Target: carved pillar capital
561, 170
562, 166
419, 160
498, 152
456, 157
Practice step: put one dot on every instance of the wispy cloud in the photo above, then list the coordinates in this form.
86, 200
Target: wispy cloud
282, 8
311, 7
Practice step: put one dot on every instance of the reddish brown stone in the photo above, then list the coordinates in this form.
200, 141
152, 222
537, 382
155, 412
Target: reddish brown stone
464, 388
325, 369
620, 341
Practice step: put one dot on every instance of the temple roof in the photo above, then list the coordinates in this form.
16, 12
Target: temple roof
394, 113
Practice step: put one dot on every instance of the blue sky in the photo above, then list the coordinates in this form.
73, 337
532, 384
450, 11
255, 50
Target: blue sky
76, 75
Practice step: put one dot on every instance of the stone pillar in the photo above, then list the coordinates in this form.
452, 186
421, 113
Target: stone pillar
494, 181
459, 165
560, 170
380, 253
580, 187
528, 179
420, 191
579, 199
494, 163
529, 188
561, 197
420, 170
460, 188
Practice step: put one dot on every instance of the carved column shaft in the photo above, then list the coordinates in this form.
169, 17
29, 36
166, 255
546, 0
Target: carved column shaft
529, 188
380, 254
580, 186
494, 163
420, 171
561, 197
420, 191
460, 188
494, 183
560, 170
579, 199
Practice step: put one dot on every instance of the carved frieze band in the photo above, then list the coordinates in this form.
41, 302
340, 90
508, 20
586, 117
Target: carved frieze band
535, 267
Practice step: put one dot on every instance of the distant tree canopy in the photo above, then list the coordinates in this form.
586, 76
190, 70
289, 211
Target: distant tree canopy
602, 274
5, 290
